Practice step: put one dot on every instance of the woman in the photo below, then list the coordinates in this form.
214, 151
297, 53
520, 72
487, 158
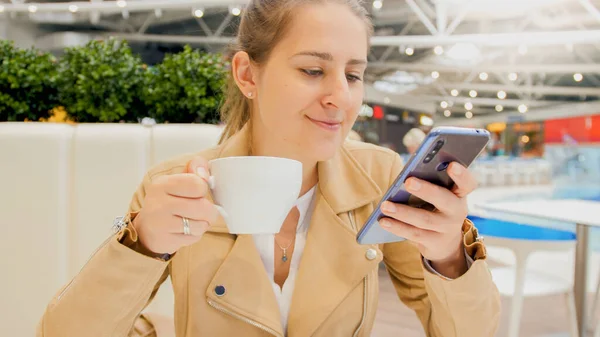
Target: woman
296, 89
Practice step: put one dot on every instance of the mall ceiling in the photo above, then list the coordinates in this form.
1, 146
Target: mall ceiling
445, 57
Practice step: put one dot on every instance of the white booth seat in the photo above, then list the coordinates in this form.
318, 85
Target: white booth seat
109, 162
35, 172
61, 187
169, 140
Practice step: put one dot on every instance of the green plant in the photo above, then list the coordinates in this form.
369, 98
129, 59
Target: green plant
27, 83
102, 82
186, 87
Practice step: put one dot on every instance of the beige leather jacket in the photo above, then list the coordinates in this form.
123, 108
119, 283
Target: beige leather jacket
336, 290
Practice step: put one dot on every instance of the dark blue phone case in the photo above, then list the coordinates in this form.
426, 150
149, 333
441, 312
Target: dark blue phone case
462, 145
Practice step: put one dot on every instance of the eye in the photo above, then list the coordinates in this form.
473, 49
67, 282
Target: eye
312, 72
353, 78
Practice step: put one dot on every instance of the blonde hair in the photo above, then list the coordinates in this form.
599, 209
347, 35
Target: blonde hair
262, 26
414, 137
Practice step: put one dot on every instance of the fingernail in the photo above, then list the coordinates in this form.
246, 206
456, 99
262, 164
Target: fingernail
414, 185
202, 173
388, 207
385, 223
457, 169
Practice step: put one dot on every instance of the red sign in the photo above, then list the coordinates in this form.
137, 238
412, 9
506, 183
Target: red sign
377, 112
579, 129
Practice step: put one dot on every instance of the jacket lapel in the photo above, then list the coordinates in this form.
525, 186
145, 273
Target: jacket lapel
333, 263
242, 287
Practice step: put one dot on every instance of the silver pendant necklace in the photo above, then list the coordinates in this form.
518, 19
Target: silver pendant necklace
284, 258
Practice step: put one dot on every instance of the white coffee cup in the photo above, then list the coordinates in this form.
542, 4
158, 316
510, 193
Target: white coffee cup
255, 194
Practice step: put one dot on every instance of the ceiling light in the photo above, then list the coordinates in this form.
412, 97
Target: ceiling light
386, 100
513, 76
122, 3
198, 13
469, 114
465, 52
578, 77
73, 8
1, 8
377, 4
499, 108
435, 74
502, 94
447, 113
444, 104
522, 49
522, 108
32, 9
236, 11
483, 76
438, 50
469, 106
525, 138
158, 13
426, 120
473, 93
409, 51
454, 92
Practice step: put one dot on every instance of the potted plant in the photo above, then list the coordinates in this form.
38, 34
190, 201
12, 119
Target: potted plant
186, 87
28, 89
102, 82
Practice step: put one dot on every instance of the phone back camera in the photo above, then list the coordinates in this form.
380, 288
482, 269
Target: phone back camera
443, 166
434, 151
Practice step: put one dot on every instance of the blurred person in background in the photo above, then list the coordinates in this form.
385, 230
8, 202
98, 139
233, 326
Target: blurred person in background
295, 90
413, 139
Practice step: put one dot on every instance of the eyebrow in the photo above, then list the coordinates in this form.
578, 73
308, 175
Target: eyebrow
328, 57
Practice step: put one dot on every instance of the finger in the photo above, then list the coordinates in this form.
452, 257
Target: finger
199, 166
197, 227
194, 209
443, 199
417, 217
184, 185
409, 232
464, 180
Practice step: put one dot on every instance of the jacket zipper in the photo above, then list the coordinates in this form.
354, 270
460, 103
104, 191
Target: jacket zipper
242, 318
365, 287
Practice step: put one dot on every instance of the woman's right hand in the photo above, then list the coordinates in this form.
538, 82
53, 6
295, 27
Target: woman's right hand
168, 200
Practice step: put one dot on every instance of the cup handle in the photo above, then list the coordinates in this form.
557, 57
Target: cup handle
211, 185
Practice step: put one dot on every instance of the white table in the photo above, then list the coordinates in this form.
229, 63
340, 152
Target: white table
585, 214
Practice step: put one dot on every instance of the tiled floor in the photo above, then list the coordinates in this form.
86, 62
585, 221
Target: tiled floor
542, 317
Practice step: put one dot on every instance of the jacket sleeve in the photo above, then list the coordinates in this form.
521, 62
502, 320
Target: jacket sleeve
466, 306
110, 291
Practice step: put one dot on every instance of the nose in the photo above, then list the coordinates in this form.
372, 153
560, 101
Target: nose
337, 92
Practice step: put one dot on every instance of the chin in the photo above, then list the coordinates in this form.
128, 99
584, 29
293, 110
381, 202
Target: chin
324, 151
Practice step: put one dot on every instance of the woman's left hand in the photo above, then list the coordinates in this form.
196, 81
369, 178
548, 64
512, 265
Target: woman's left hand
438, 234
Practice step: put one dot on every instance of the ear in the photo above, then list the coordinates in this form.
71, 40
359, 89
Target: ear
244, 73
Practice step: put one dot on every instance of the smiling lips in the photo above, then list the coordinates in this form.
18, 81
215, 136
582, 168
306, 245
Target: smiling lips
329, 125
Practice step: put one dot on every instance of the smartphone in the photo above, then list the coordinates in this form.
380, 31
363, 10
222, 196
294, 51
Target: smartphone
442, 146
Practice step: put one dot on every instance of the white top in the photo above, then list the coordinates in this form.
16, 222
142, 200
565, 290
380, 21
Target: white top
582, 212
265, 243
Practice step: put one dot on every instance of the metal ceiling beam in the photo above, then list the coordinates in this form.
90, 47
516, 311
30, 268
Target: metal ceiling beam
504, 68
112, 7
540, 114
221, 40
587, 4
480, 101
492, 39
544, 90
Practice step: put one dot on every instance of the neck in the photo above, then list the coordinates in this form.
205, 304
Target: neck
260, 146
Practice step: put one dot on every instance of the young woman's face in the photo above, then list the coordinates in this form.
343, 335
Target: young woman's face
310, 90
